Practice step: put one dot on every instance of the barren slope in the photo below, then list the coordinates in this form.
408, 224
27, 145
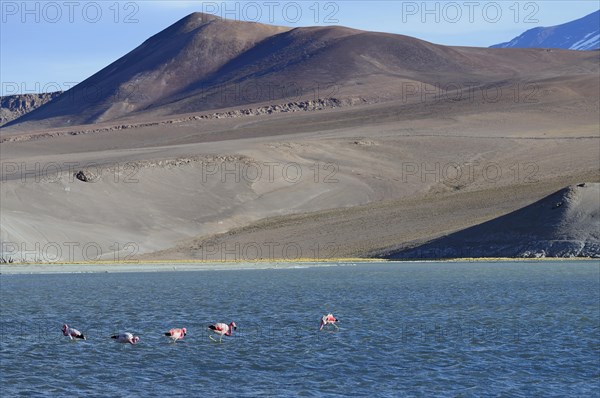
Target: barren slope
184, 53
564, 224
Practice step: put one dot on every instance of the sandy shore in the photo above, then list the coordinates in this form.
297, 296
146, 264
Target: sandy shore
111, 267
182, 266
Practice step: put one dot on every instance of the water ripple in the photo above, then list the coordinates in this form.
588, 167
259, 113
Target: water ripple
449, 330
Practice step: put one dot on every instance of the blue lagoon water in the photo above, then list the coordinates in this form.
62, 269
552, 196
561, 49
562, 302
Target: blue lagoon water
428, 329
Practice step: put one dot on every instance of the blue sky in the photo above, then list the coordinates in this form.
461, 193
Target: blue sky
50, 45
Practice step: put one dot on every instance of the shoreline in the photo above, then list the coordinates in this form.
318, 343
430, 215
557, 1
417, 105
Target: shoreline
205, 265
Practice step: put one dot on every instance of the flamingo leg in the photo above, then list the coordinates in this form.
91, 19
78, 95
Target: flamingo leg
210, 337
336, 326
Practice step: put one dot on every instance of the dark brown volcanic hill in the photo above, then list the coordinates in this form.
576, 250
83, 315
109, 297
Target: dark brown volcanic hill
167, 63
564, 224
203, 62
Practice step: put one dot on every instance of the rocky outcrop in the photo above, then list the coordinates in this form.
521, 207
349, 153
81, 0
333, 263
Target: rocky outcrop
81, 176
15, 106
299, 106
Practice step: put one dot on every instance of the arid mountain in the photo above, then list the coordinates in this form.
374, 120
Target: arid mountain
564, 224
207, 143
203, 62
581, 34
188, 51
14, 106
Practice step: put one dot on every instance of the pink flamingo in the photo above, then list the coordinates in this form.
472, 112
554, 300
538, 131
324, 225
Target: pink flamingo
126, 338
176, 334
72, 333
328, 319
222, 329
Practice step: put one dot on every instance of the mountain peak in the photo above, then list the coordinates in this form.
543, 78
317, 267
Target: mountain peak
580, 34
194, 21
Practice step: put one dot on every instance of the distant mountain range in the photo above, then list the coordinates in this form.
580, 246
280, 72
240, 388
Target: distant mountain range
204, 62
581, 34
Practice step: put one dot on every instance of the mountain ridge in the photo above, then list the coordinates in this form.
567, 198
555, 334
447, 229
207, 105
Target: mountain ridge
203, 62
580, 34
